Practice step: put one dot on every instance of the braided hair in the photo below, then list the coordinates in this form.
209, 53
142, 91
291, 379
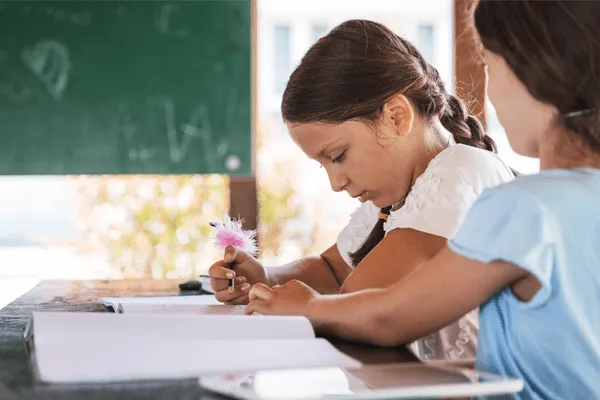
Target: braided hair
353, 71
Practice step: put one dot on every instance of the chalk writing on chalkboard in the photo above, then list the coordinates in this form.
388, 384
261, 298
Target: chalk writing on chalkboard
129, 129
124, 87
82, 18
197, 127
164, 22
50, 63
179, 140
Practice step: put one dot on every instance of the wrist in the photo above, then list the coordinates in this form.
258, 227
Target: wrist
314, 310
270, 277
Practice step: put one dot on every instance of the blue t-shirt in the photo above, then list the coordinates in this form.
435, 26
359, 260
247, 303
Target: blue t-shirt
549, 225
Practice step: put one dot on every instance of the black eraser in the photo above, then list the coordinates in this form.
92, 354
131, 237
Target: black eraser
190, 285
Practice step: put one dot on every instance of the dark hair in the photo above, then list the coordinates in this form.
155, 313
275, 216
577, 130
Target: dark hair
553, 47
350, 74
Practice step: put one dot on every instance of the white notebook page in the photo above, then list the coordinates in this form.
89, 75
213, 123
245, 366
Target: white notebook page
115, 360
92, 327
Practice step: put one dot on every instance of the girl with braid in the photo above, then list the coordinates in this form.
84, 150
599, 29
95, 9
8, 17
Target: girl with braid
365, 104
528, 251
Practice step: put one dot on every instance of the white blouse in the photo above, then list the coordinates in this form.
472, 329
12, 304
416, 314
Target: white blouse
437, 204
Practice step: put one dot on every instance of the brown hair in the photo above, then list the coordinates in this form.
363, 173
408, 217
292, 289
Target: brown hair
553, 47
350, 74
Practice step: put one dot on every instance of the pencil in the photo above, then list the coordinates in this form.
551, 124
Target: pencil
231, 282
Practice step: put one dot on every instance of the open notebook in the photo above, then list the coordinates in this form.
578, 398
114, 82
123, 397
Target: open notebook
100, 347
196, 304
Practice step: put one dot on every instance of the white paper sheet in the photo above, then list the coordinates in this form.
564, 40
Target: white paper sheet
94, 328
120, 360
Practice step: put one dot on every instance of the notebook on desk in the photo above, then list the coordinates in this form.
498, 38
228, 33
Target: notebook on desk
108, 347
196, 304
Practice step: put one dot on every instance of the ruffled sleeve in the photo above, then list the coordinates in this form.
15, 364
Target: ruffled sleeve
437, 203
441, 197
362, 221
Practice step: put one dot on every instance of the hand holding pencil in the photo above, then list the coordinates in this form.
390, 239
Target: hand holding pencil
239, 267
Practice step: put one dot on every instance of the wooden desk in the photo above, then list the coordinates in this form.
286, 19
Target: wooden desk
16, 380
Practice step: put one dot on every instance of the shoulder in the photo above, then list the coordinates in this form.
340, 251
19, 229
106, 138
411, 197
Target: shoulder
550, 183
511, 207
549, 191
442, 195
509, 194
460, 173
479, 168
460, 154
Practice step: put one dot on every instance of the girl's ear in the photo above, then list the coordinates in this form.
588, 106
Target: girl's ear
399, 113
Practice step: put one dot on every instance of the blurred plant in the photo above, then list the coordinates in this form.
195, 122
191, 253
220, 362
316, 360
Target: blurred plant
158, 226
276, 209
153, 226
277, 194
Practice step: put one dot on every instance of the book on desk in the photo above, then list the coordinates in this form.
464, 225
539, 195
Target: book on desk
170, 338
197, 305
179, 337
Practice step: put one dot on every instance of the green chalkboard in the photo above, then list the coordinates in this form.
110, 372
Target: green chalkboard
125, 87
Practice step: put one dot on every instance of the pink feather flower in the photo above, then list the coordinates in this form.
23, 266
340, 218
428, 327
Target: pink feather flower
230, 232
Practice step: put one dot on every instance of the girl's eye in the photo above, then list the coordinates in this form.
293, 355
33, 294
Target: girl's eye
339, 158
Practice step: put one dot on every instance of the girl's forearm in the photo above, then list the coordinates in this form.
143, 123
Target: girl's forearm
362, 316
385, 317
427, 300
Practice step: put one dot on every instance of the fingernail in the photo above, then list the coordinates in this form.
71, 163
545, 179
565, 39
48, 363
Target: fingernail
228, 257
229, 275
245, 287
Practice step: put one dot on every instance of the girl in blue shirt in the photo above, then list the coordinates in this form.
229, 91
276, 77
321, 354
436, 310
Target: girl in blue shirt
528, 251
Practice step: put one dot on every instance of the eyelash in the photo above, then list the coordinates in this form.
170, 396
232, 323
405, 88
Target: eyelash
339, 158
